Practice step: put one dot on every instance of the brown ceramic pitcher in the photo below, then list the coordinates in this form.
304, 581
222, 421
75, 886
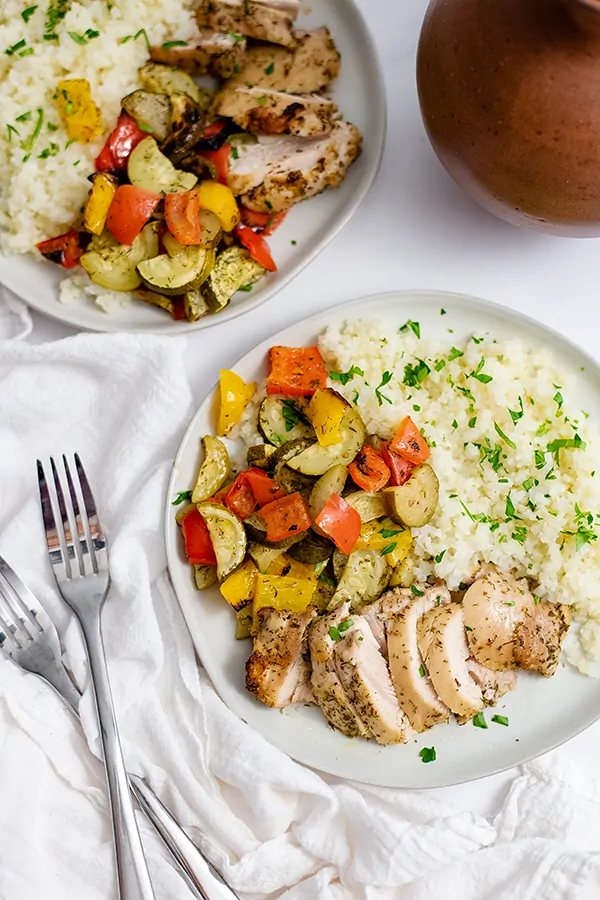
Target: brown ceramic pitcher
510, 97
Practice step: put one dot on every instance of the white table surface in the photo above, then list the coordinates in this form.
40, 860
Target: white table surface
416, 229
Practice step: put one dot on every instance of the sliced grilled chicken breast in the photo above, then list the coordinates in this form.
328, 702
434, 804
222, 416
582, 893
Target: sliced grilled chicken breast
493, 684
278, 671
264, 111
539, 637
208, 52
326, 686
310, 66
265, 20
365, 678
443, 646
493, 606
414, 689
394, 601
277, 172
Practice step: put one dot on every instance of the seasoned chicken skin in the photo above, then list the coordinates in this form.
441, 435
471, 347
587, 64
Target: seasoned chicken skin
327, 688
278, 671
310, 66
538, 639
207, 52
277, 172
265, 20
366, 679
263, 111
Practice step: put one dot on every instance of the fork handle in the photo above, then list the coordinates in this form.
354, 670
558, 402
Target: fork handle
132, 871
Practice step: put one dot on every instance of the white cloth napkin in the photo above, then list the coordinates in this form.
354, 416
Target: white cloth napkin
275, 828
15, 318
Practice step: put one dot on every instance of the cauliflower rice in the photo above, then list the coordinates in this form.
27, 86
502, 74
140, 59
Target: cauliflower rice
531, 513
40, 197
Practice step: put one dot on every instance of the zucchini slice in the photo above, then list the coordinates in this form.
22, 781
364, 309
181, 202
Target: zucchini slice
281, 420
204, 577
167, 80
150, 110
316, 460
415, 502
338, 562
312, 550
227, 535
155, 300
195, 305
332, 482
179, 273
263, 556
187, 127
233, 269
210, 226
257, 533
403, 575
214, 469
259, 455
368, 506
366, 574
114, 266
150, 169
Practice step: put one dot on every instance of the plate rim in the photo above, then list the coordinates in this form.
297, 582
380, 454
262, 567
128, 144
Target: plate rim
332, 769
339, 223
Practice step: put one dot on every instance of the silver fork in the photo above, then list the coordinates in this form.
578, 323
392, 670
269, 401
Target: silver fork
29, 638
79, 557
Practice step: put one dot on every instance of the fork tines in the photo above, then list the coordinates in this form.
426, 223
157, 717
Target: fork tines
76, 541
18, 621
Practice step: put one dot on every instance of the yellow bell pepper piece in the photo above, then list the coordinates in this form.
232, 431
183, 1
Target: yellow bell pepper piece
281, 592
238, 588
101, 196
219, 200
235, 396
80, 115
325, 412
386, 535
279, 566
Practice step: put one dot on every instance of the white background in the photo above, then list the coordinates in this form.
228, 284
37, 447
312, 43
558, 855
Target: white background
417, 230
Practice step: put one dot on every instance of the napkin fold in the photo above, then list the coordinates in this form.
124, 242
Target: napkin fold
275, 828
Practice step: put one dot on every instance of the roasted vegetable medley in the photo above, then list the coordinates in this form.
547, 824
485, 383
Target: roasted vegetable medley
192, 181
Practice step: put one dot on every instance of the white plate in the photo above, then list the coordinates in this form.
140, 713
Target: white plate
543, 713
359, 93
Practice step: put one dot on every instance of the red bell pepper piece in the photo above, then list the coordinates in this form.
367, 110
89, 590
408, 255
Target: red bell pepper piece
117, 150
213, 129
219, 158
340, 521
257, 247
198, 544
179, 313
369, 471
286, 517
401, 469
265, 223
130, 210
181, 215
296, 371
263, 487
64, 250
409, 443
240, 499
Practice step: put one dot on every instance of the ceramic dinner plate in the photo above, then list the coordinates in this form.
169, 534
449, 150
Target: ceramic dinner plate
359, 94
542, 713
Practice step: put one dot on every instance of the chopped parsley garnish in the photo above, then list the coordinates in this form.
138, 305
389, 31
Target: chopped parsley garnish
528, 484
336, 633
474, 517
29, 144
29, 52
476, 340
510, 507
268, 204
270, 68
442, 312
235, 36
439, 365
385, 379
454, 424
327, 580
414, 327
345, 625
472, 422
479, 721
182, 497
245, 287
554, 447
491, 453
51, 127
24, 117
416, 407
83, 38
478, 375
261, 101
389, 548
440, 556
544, 428
345, 377
134, 37
294, 243
27, 13
11, 130
582, 536
559, 400
416, 591
355, 397
540, 459
428, 754
390, 532
454, 354
168, 44
147, 128
504, 437
415, 375
292, 415
235, 152
466, 392
519, 534
500, 720
517, 414
15, 47
421, 671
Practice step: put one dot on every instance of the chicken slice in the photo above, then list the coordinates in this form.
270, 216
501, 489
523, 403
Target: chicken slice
264, 111
207, 52
539, 637
265, 20
278, 670
277, 172
443, 646
327, 688
493, 684
395, 601
414, 690
493, 606
310, 66
365, 678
